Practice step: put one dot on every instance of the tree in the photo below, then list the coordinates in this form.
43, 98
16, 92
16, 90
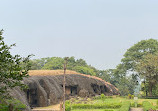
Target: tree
148, 69
37, 64
132, 57
136, 53
11, 70
84, 70
54, 63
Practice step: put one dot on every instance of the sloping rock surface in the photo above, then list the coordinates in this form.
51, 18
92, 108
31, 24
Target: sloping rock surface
48, 90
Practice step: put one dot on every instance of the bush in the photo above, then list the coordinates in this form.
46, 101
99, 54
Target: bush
4, 107
96, 106
147, 106
102, 97
16, 104
108, 110
129, 96
125, 106
138, 104
96, 97
132, 96
67, 106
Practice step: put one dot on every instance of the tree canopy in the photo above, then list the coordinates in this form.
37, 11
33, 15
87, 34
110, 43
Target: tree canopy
134, 54
12, 68
139, 59
148, 69
55, 63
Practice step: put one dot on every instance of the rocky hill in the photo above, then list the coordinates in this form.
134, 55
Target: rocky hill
46, 87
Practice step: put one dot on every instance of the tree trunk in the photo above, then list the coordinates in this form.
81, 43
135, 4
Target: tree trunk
150, 89
146, 93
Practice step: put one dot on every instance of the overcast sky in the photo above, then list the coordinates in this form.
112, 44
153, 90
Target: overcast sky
99, 31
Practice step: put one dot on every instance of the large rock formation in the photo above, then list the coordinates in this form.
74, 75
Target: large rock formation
47, 90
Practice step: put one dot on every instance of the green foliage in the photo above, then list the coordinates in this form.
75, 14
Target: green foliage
4, 107
129, 96
137, 51
84, 70
102, 97
129, 64
132, 96
55, 63
67, 106
108, 110
97, 106
16, 104
138, 104
125, 85
107, 75
147, 105
12, 68
148, 69
37, 64
125, 106
155, 90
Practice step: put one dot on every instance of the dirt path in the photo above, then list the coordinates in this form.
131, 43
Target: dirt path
49, 108
136, 109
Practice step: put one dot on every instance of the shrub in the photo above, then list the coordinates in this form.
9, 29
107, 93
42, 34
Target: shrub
102, 97
96, 97
16, 104
4, 107
108, 110
125, 106
138, 104
132, 96
67, 106
129, 96
96, 106
147, 106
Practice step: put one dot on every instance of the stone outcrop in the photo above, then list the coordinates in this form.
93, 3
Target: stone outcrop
47, 90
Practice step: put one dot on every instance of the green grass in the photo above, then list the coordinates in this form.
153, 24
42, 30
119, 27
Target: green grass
113, 100
93, 110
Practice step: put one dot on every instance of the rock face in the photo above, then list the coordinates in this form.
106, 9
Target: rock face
48, 90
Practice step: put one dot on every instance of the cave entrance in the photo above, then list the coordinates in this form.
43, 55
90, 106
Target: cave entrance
74, 90
32, 97
103, 89
71, 90
94, 87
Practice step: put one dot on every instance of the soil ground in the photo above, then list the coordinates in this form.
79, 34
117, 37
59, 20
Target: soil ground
136, 109
49, 108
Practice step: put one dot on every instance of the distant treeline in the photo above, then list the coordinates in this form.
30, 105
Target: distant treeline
55, 63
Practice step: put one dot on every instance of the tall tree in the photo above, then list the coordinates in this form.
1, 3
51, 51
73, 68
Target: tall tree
136, 53
11, 70
148, 69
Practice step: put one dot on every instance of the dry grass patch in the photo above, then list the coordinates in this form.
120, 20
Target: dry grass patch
50, 72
